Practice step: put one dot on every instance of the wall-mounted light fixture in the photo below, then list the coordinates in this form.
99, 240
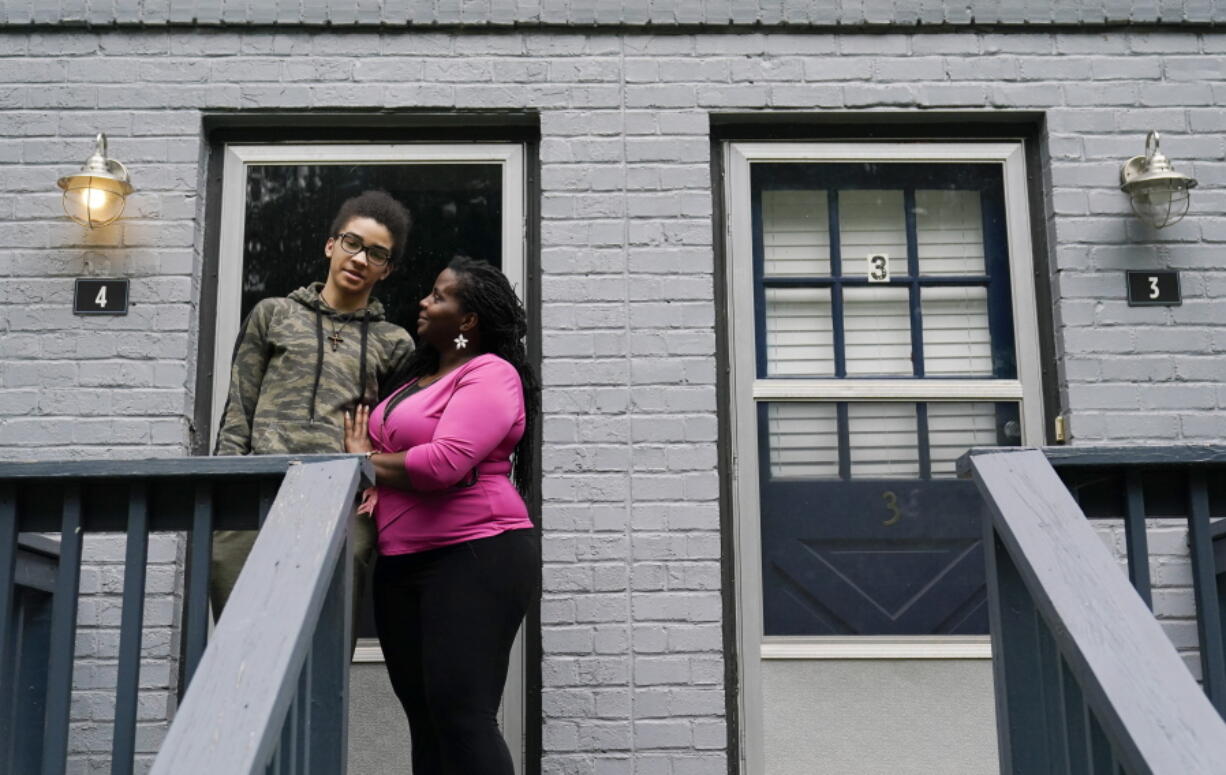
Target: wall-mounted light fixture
96, 195
1159, 194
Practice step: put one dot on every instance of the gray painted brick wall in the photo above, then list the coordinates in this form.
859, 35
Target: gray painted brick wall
633, 664
720, 13
1170, 573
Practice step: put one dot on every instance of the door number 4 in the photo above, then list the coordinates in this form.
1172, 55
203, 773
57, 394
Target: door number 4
100, 297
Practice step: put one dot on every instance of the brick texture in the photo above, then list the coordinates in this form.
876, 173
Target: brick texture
1170, 575
487, 13
633, 664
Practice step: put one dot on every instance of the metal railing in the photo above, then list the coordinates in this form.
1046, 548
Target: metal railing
1086, 679
269, 692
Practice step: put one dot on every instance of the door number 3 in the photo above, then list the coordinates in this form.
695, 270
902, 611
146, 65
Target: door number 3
891, 503
879, 268
1153, 288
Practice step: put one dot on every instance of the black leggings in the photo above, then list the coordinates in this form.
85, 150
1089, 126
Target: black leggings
446, 619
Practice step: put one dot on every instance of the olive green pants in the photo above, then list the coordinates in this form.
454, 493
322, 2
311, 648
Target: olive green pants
231, 547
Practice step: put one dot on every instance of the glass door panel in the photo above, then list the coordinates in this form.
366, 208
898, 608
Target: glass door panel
799, 332
278, 202
455, 209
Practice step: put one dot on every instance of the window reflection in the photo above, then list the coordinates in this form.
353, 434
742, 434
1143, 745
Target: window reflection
455, 208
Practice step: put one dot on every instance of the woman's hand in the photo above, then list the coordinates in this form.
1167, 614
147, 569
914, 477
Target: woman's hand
389, 467
357, 431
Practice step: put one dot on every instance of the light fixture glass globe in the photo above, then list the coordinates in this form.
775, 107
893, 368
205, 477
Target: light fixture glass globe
96, 195
89, 202
1160, 205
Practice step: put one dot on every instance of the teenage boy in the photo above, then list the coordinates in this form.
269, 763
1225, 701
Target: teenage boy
303, 361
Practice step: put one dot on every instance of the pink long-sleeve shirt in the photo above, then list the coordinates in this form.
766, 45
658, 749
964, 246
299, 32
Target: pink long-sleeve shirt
471, 418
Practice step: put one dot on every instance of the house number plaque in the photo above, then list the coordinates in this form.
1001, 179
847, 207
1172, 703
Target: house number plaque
100, 297
1148, 289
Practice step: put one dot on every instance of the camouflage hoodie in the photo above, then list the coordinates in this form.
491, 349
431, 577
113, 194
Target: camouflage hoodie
290, 382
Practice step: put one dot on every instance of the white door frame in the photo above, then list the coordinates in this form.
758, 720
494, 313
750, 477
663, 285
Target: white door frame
753, 646
238, 157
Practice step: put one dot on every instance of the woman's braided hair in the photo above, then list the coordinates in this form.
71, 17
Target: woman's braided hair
484, 290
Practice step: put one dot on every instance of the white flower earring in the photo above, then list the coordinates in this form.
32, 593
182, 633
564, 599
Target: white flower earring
460, 342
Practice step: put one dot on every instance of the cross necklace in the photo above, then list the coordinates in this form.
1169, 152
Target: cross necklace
335, 337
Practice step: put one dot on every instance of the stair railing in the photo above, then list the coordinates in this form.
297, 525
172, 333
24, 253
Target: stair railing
1185, 482
1086, 679
269, 694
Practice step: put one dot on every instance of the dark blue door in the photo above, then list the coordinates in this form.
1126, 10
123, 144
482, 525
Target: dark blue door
885, 276
879, 557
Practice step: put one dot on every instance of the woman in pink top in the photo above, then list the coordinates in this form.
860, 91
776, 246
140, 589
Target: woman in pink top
459, 559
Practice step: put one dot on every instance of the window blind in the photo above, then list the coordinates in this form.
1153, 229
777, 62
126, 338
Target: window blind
795, 233
949, 232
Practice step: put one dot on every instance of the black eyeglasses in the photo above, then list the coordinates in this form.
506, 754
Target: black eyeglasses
353, 244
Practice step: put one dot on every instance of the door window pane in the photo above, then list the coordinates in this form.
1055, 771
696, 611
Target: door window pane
803, 440
957, 342
872, 222
955, 427
884, 438
799, 336
883, 442
795, 233
949, 232
877, 331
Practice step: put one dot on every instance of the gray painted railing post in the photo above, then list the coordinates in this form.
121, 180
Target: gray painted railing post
123, 746
8, 615
1076, 736
1218, 529
63, 636
196, 604
1208, 609
328, 707
1136, 537
1051, 687
1015, 664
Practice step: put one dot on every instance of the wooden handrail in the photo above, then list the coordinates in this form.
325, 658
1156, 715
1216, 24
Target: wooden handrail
172, 484
234, 712
159, 468
1150, 708
1136, 455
